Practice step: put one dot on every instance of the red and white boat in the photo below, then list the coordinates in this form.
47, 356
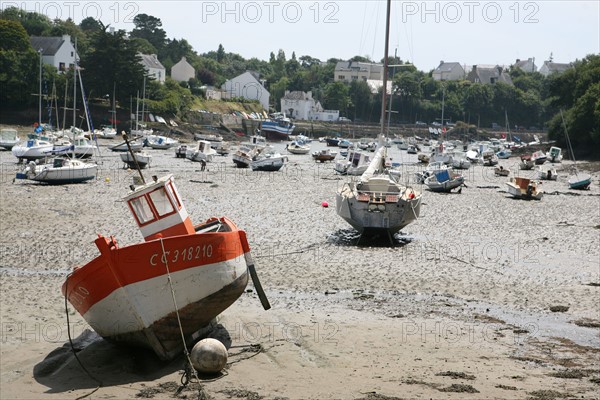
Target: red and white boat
137, 294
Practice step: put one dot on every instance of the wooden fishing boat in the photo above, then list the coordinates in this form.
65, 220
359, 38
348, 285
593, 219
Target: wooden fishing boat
523, 188
324, 155
168, 288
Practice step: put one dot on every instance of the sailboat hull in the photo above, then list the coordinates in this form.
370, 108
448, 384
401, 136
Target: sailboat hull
580, 182
361, 215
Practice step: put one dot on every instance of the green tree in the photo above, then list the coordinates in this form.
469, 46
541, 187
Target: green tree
18, 65
277, 91
35, 24
337, 97
149, 28
220, 53
89, 24
360, 98
114, 59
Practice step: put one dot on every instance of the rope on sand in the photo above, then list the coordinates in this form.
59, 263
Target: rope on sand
73, 346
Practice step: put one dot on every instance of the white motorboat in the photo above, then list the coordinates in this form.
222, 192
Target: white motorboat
297, 148
32, 149
355, 163
554, 155
139, 159
546, 173
268, 160
201, 152
8, 138
160, 142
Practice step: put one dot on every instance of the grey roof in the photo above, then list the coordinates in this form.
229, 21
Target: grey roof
48, 44
150, 61
357, 66
447, 66
557, 67
486, 74
296, 95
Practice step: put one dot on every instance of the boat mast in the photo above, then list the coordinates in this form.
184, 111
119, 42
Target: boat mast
113, 124
40, 91
568, 140
75, 86
385, 66
64, 124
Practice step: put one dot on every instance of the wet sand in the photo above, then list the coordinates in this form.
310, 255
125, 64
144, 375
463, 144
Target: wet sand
459, 307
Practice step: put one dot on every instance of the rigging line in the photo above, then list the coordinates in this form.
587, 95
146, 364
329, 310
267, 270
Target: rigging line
362, 31
376, 15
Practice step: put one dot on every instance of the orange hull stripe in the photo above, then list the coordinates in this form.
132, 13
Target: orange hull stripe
127, 265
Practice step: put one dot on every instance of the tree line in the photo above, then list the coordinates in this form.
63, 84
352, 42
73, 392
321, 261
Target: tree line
110, 59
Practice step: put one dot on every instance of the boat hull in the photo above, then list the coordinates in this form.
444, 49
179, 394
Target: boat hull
126, 294
444, 187
518, 192
142, 160
268, 164
580, 182
275, 136
60, 175
358, 214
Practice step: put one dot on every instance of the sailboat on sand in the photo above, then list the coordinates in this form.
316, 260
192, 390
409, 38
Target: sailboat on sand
578, 180
377, 202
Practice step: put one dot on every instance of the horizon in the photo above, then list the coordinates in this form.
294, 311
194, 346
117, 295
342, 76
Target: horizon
422, 33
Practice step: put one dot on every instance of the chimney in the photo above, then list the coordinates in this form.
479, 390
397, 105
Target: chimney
441, 62
518, 60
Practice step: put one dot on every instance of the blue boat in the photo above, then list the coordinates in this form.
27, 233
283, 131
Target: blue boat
277, 129
504, 154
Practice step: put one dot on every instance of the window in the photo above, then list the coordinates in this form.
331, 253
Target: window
161, 202
354, 77
341, 77
71, 54
171, 190
61, 66
141, 210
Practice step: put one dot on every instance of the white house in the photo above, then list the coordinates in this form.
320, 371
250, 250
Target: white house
448, 71
550, 67
56, 50
247, 86
302, 106
348, 71
153, 67
183, 71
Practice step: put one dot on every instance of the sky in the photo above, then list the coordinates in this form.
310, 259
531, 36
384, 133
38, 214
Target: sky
422, 32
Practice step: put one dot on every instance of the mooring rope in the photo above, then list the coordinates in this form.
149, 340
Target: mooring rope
185, 349
73, 347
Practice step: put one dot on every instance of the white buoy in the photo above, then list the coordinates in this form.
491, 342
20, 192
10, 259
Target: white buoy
209, 356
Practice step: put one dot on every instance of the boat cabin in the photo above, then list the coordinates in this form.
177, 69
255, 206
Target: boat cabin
158, 210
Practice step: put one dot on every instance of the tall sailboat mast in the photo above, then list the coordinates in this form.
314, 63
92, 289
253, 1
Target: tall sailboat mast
385, 66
